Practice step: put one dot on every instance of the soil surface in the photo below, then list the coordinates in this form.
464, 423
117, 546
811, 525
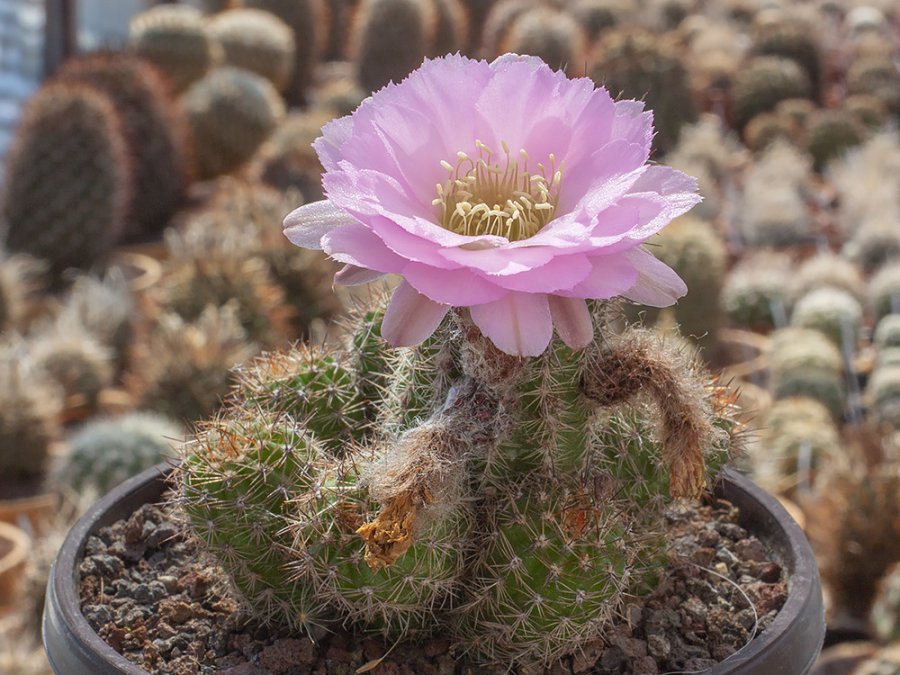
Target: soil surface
151, 595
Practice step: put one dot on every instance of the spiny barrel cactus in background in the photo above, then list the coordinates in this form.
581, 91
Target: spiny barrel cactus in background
885, 616
884, 291
868, 110
887, 332
875, 242
154, 129
175, 40
549, 33
833, 312
794, 40
766, 128
182, 369
597, 16
390, 38
830, 134
105, 308
755, 294
877, 76
798, 438
287, 159
827, 270
231, 112
803, 362
306, 19
257, 41
882, 395
105, 452
638, 64
31, 402
73, 358
68, 178
763, 84
468, 457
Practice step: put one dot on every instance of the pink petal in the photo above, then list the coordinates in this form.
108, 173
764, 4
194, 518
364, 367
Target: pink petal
561, 273
611, 275
518, 324
357, 245
657, 284
306, 225
411, 317
460, 287
351, 275
572, 320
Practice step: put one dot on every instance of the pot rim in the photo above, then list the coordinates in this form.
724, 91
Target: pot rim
70, 641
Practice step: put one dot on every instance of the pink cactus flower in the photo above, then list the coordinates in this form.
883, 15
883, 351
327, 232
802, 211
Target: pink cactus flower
502, 187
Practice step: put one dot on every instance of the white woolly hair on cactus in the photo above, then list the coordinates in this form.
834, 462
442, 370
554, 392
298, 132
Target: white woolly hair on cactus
867, 181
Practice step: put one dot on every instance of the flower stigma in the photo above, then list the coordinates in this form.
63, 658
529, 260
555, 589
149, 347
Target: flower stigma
484, 197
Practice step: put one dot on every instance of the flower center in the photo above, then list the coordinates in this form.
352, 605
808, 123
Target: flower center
497, 195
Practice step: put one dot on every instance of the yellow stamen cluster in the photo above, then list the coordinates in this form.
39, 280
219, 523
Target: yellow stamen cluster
483, 196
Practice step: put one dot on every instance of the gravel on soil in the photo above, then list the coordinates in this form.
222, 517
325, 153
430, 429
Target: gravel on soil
154, 598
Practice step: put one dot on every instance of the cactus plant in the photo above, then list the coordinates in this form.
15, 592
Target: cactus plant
797, 440
175, 40
107, 451
21, 279
551, 34
28, 416
875, 243
287, 160
887, 332
68, 178
867, 181
257, 41
548, 457
182, 368
833, 312
637, 64
827, 270
877, 76
306, 19
884, 291
73, 358
755, 295
766, 128
154, 129
882, 395
597, 16
763, 84
230, 113
868, 110
830, 134
792, 40
803, 362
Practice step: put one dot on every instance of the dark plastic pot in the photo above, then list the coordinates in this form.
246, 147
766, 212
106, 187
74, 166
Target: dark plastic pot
788, 647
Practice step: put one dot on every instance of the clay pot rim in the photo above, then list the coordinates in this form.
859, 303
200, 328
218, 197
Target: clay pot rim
790, 644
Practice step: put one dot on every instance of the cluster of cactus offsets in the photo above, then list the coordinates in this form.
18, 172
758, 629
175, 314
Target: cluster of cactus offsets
827, 270
73, 358
754, 295
231, 112
183, 368
883, 395
803, 362
104, 307
798, 438
549, 33
307, 20
830, 134
833, 312
478, 495
763, 84
638, 64
694, 249
154, 130
105, 452
855, 526
257, 41
29, 407
885, 615
68, 178
287, 159
884, 291
174, 39
21, 280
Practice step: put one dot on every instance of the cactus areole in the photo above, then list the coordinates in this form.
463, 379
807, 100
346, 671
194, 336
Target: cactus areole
481, 478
